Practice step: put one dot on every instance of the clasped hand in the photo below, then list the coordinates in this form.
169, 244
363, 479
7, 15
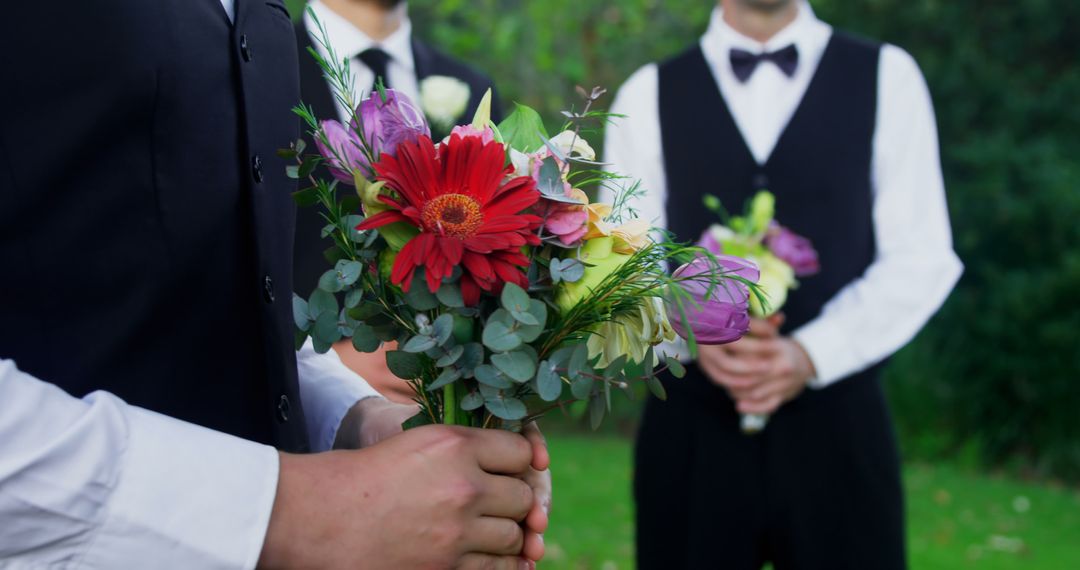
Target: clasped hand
762, 371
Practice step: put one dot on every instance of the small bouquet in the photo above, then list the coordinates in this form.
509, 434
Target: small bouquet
507, 291
780, 254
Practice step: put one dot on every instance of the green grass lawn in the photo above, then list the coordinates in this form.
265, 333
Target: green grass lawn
956, 519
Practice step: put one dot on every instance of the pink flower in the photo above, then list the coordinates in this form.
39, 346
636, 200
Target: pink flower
485, 135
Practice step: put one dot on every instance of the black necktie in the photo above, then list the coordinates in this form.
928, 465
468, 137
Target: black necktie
743, 63
376, 60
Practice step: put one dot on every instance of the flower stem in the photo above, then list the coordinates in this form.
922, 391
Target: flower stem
450, 404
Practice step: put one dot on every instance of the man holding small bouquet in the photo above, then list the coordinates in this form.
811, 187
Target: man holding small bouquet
841, 130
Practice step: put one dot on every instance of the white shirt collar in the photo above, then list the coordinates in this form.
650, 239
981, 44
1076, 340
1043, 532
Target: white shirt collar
804, 29
348, 41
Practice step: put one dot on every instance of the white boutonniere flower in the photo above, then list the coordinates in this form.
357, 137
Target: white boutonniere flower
443, 99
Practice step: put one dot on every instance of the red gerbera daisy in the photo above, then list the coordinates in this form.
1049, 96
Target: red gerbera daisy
466, 214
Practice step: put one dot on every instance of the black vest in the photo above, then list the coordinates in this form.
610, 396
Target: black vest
146, 224
820, 170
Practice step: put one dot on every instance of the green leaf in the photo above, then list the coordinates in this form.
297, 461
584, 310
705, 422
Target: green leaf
506, 408
548, 382
518, 365
597, 409
472, 401
353, 298
404, 365
365, 311
419, 343
579, 362
572, 270
321, 346
614, 370
419, 297
677, 369
514, 298
499, 338
306, 197
348, 271
364, 338
329, 281
299, 338
326, 328
452, 356
581, 387
447, 376
487, 374
529, 333
472, 357
442, 328
449, 294
293, 171
420, 419
300, 313
524, 129
656, 387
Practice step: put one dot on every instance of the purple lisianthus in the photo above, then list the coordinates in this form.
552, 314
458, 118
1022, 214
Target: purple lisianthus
387, 123
793, 249
720, 311
341, 149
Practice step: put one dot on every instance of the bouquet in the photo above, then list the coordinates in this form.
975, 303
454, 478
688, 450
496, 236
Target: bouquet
780, 254
507, 291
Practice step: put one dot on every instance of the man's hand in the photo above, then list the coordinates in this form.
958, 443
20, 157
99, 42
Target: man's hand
375, 419
433, 497
762, 371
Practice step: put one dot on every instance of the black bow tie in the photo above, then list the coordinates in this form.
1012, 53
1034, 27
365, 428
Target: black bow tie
743, 63
377, 61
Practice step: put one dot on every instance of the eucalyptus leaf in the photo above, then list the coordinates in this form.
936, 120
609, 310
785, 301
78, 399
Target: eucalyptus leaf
419, 297
656, 387
452, 356
442, 328
329, 281
404, 365
548, 382
348, 271
488, 375
352, 300
514, 298
419, 343
597, 409
449, 294
420, 419
506, 408
677, 369
365, 311
364, 338
471, 357
572, 270
518, 365
300, 313
529, 333
524, 318
499, 338
472, 401
326, 328
447, 376
614, 370
321, 346
581, 387
322, 302
579, 362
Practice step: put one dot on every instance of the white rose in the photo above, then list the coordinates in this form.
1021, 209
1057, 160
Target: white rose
580, 148
443, 99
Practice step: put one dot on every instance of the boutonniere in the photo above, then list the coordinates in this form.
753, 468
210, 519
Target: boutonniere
444, 100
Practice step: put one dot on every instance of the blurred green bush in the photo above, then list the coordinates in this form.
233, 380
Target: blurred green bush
995, 374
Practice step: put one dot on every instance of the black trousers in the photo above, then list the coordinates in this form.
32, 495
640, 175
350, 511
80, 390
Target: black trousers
818, 489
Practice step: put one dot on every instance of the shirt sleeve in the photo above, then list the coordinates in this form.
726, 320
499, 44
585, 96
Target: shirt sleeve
97, 483
914, 267
328, 389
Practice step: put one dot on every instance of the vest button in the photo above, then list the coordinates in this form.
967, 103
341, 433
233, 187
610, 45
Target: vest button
245, 49
268, 289
283, 408
256, 168
761, 181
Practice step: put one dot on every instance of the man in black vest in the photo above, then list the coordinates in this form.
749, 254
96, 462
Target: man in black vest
842, 131
146, 229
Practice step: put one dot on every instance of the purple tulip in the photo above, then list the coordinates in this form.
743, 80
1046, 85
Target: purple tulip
720, 311
792, 248
709, 242
341, 149
389, 122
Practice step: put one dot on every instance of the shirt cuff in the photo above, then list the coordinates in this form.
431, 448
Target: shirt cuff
828, 349
328, 390
189, 497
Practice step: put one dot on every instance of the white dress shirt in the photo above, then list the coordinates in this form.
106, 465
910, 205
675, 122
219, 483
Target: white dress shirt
914, 267
348, 41
96, 483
